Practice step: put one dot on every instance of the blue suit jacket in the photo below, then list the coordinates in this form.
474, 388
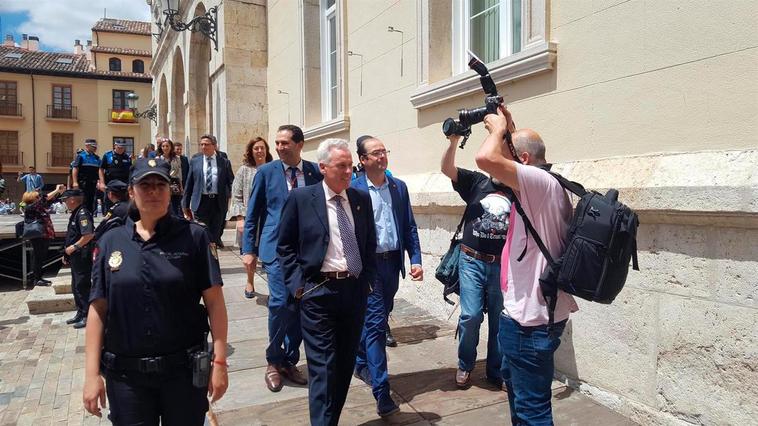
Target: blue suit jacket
265, 207
405, 224
193, 190
304, 237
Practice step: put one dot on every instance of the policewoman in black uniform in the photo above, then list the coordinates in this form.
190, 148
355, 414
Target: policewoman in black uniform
116, 193
146, 331
78, 252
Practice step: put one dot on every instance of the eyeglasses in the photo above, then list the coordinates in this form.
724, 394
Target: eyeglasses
380, 153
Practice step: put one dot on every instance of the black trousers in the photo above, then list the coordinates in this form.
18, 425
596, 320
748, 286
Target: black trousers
90, 195
39, 255
212, 214
139, 399
81, 279
332, 319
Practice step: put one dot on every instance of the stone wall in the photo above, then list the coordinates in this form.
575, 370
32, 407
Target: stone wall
680, 343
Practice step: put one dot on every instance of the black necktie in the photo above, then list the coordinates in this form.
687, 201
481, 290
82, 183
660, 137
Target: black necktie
293, 176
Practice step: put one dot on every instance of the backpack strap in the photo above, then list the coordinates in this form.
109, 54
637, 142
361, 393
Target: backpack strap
572, 186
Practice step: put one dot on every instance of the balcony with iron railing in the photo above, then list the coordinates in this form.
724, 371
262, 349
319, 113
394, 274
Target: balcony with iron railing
121, 116
12, 158
62, 112
56, 159
10, 109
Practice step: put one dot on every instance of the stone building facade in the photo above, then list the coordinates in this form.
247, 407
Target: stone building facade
202, 87
657, 99
51, 101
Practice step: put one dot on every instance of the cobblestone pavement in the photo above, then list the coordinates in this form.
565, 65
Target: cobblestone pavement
42, 371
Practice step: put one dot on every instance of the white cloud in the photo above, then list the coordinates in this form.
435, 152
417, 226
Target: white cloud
59, 22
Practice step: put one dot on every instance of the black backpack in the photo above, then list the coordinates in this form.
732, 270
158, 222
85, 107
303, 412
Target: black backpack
601, 241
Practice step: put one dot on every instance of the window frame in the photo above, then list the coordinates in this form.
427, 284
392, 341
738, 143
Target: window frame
123, 93
6, 153
142, 66
330, 108
461, 37
63, 105
112, 62
65, 139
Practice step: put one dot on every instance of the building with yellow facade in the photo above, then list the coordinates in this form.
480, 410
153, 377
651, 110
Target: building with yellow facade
50, 101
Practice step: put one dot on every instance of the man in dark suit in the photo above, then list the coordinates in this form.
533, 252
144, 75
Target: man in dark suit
179, 150
271, 186
327, 244
209, 187
396, 234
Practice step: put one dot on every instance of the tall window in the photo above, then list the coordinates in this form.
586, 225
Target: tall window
8, 98
138, 66
9, 147
61, 149
128, 141
61, 101
491, 29
114, 64
329, 76
119, 99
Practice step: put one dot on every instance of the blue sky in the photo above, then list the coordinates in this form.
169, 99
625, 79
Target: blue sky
58, 23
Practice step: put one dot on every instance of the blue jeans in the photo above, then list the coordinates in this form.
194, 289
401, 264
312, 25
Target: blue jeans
372, 351
528, 369
284, 333
480, 284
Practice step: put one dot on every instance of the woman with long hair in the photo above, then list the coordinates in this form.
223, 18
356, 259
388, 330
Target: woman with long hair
146, 329
256, 154
37, 210
167, 154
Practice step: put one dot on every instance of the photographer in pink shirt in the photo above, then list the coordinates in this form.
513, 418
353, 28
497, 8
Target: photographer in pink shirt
526, 341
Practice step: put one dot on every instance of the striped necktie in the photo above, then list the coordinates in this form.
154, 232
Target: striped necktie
349, 243
209, 177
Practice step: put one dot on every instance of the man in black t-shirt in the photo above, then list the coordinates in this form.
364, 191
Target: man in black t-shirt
484, 232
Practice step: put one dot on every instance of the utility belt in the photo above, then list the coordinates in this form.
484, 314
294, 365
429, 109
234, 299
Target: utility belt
147, 365
484, 257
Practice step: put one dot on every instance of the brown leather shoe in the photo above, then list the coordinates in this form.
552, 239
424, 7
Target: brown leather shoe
462, 378
294, 375
273, 378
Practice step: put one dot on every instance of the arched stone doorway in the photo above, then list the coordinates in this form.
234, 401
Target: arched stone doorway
177, 98
163, 107
200, 116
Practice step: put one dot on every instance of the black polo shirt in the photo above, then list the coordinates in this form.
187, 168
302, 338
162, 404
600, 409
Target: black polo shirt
153, 288
116, 216
79, 223
116, 166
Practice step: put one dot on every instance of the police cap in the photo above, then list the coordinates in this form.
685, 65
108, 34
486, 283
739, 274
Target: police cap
90, 142
149, 166
116, 186
74, 192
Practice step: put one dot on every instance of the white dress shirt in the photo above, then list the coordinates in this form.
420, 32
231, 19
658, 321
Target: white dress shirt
300, 175
335, 261
214, 174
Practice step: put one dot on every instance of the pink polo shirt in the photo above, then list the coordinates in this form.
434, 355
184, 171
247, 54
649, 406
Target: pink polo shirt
549, 209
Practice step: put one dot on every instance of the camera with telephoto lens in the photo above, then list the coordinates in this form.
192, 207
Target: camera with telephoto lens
469, 117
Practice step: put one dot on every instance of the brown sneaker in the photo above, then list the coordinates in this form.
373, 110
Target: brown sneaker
273, 378
294, 375
462, 378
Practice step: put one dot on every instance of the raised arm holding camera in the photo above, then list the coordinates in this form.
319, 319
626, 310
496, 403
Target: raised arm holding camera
527, 339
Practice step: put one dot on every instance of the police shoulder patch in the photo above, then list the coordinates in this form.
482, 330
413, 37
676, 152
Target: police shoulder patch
83, 221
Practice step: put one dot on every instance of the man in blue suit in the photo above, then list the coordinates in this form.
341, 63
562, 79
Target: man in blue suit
326, 249
271, 186
396, 234
209, 187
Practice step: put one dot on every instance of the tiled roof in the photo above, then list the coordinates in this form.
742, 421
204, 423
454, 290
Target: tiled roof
122, 26
15, 59
121, 51
37, 61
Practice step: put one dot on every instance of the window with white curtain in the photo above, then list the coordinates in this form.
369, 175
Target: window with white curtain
329, 76
491, 29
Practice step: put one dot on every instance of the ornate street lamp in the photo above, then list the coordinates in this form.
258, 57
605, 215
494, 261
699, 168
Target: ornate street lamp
206, 24
151, 113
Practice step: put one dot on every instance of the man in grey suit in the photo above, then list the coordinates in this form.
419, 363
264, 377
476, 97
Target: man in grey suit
208, 188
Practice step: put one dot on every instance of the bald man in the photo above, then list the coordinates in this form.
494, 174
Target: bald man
526, 341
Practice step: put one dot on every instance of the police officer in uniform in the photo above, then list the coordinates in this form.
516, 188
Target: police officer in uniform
146, 331
115, 166
85, 173
78, 252
116, 194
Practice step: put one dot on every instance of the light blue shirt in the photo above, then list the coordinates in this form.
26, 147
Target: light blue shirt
384, 217
213, 170
33, 183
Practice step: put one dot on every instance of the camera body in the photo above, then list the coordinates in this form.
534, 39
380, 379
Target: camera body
469, 117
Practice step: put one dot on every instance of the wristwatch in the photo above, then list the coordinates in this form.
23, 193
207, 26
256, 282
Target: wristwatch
76, 246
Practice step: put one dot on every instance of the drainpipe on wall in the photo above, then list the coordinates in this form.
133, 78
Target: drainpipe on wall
34, 126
